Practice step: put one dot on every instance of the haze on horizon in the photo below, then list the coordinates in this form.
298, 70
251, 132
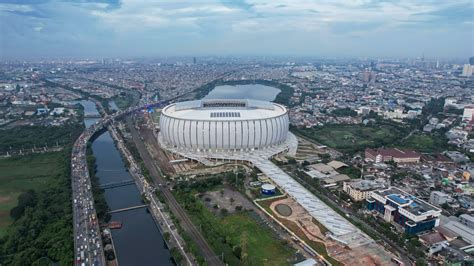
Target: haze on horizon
141, 28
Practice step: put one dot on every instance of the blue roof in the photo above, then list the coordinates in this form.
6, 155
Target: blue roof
397, 199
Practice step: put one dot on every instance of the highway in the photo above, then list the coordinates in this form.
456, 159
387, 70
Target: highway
88, 248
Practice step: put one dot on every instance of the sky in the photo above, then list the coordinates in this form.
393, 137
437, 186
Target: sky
149, 28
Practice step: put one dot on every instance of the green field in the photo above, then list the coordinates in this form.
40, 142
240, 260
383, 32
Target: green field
353, 138
262, 247
127, 100
19, 174
425, 143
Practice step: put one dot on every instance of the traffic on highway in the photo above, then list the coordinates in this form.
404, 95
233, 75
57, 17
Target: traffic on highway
88, 248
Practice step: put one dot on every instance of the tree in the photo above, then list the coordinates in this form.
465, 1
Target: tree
237, 250
224, 211
166, 236
344, 112
176, 255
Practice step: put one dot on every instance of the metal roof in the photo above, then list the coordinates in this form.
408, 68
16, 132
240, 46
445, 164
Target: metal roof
224, 110
236, 103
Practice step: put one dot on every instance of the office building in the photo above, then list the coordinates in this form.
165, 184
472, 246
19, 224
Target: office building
410, 214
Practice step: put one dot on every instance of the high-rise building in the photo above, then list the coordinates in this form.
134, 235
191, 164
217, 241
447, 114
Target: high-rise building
471, 60
368, 77
466, 70
194, 60
468, 113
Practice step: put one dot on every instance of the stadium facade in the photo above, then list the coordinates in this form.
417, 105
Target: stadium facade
214, 125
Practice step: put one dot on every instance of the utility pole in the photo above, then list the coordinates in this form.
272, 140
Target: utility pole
243, 246
235, 172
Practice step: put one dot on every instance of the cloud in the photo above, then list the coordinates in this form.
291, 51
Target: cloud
143, 27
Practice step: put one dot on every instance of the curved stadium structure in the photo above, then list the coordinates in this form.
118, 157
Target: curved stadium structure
224, 125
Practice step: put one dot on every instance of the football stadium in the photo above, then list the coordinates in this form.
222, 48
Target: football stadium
224, 125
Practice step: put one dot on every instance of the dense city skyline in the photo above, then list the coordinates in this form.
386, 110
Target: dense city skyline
47, 29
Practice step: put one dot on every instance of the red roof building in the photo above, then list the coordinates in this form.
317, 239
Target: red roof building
392, 154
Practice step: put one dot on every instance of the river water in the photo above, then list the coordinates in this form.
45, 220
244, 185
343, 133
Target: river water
250, 91
138, 242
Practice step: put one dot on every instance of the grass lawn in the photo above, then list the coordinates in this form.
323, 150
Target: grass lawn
353, 138
18, 174
263, 248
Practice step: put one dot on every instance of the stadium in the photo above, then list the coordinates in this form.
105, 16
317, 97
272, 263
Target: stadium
223, 125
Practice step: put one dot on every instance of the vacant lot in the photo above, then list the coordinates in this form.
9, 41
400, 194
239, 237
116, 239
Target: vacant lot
19, 174
242, 236
353, 138
425, 143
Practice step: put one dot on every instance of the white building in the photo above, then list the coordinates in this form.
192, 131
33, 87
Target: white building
439, 198
360, 189
467, 220
467, 70
468, 113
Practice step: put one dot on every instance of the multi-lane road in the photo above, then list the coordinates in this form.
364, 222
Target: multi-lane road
88, 248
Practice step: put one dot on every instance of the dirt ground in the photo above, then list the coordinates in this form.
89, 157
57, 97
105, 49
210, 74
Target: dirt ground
223, 200
371, 254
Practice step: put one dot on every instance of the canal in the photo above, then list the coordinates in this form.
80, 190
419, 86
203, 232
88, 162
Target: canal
138, 242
